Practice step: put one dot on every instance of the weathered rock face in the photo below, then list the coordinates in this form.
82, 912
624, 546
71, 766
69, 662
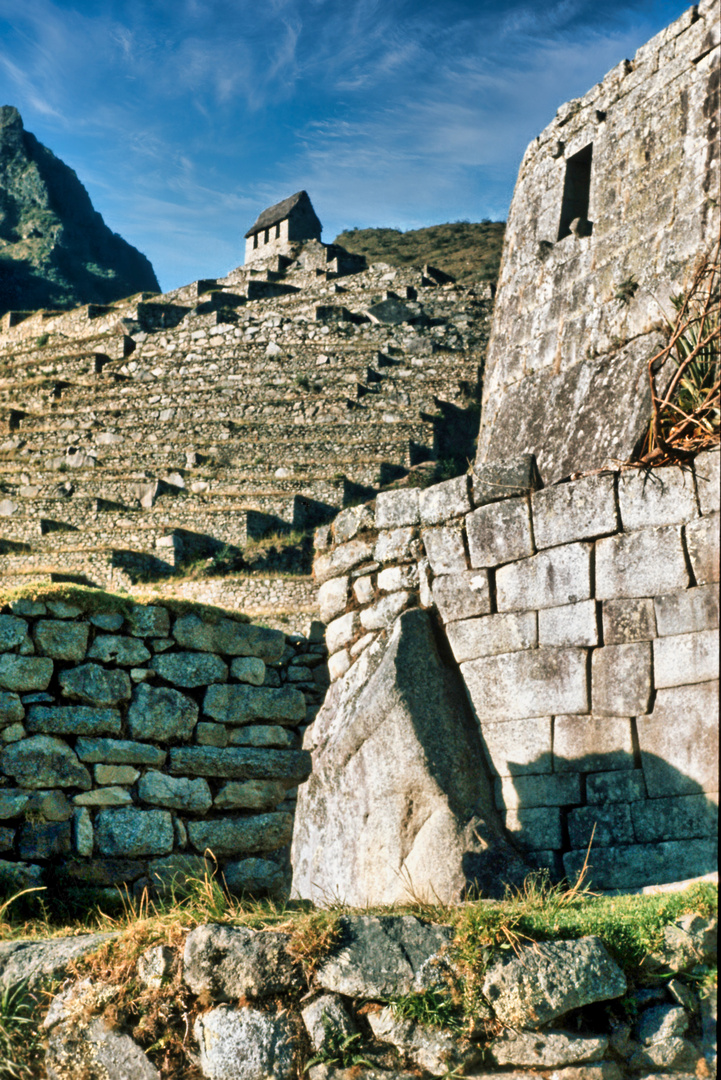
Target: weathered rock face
398, 803
58, 251
611, 209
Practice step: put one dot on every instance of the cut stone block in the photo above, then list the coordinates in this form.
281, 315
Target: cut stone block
688, 611
708, 480
644, 563
131, 833
44, 762
675, 818
338, 664
525, 791
702, 541
445, 549
160, 713
686, 658
351, 521
552, 578
679, 741
62, 641
239, 836
23, 673
517, 747
342, 559
500, 533
572, 624
621, 680
385, 612
341, 631
13, 631
397, 545
250, 795
627, 786
592, 743
580, 510
11, 709
459, 596
505, 479
495, 634
538, 682
115, 774
44, 839
240, 763
95, 685
104, 797
625, 621
441, 502
119, 752
262, 735
636, 865
232, 703
175, 793
74, 720
393, 579
149, 621
535, 827
190, 669
657, 497
119, 649
248, 669
364, 590
608, 825
229, 636
394, 508
333, 597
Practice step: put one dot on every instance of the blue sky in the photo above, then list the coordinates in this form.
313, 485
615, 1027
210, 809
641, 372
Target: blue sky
184, 118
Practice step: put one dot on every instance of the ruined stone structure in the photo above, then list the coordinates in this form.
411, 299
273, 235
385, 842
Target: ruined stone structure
578, 620
583, 622
142, 435
615, 201
135, 737
291, 221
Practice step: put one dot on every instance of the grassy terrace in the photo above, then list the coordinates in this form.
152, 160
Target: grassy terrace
630, 927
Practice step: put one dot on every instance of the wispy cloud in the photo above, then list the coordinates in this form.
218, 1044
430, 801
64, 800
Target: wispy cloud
185, 117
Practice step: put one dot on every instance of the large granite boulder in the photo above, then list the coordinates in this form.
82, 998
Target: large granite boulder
398, 803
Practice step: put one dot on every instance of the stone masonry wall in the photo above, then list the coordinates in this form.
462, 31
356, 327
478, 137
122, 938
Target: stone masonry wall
584, 618
615, 201
135, 739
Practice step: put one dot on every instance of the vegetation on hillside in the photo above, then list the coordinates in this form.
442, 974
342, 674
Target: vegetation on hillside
469, 250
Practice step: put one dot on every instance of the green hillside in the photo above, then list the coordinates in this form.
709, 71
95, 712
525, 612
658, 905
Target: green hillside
471, 251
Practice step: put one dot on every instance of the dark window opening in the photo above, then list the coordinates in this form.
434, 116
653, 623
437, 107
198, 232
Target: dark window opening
277, 231
576, 190
266, 238
255, 240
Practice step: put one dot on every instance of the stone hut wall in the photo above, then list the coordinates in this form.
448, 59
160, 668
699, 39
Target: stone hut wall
634, 162
135, 740
584, 620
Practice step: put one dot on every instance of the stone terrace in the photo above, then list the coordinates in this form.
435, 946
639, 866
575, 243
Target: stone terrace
141, 436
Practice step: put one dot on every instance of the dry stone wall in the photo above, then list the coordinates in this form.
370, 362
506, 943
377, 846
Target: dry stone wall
583, 617
615, 201
137, 740
138, 437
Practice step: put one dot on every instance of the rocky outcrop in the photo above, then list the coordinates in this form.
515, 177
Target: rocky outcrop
563, 998
398, 803
55, 249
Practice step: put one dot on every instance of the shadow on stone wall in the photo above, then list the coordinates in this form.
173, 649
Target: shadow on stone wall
603, 800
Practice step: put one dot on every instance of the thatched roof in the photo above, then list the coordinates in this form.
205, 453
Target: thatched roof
280, 211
